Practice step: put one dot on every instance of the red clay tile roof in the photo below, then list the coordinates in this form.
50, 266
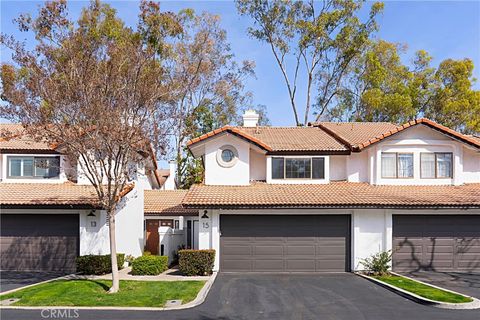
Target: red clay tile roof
277, 139
12, 137
166, 202
332, 195
47, 194
359, 135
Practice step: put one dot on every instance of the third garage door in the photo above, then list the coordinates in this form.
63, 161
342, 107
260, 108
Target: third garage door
436, 242
282, 243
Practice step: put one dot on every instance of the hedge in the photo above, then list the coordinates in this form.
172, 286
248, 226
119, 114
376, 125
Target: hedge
149, 265
98, 264
196, 262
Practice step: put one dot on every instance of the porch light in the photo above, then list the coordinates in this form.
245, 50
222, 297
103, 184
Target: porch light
91, 214
205, 214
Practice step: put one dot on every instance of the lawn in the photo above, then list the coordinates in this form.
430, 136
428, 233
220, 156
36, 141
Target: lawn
423, 290
94, 293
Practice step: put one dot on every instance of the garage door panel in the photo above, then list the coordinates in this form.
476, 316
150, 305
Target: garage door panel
296, 244
300, 250
238, 265
300, 265
261, 250
268, 265
333, 265
446, 242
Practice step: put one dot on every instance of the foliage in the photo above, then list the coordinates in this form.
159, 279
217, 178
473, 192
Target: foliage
382, 88
96, 89
209, 87
378, 263
91, 293
316, 40
98, 264
423, 290
129, 258
149, 265
196, 262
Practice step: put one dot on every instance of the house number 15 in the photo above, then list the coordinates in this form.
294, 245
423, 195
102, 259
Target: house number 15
205, 225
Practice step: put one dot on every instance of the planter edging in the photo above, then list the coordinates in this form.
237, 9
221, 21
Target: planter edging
475, 304
201, 296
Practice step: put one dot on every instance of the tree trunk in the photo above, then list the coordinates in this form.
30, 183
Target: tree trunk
113, 254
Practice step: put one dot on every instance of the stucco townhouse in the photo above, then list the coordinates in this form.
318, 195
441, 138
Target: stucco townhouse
323, 197
49, 214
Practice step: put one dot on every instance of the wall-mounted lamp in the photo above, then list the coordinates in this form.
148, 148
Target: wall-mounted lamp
92, 219
205, 214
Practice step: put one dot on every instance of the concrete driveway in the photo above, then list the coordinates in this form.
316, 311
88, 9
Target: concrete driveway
10, 280
466, 283
260, 296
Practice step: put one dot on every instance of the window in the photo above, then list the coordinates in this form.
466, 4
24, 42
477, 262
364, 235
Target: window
397, 165
227, 156
436, 165
278, 168
33, 167
298, 168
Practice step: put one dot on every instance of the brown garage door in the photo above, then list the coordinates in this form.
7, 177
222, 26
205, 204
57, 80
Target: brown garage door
276, 243
441, 243
39, 242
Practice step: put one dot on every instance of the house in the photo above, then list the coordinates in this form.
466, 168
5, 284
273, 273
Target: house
49, 212
323, 197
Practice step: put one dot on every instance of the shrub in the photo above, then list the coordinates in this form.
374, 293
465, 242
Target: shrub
98, 264
129, 258
149, 265
378, 263
196, 262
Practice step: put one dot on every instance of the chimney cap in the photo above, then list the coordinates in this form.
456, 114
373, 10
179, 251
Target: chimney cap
250, 118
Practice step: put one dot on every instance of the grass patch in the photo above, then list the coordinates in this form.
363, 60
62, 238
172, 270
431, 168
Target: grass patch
94, 293
422, 289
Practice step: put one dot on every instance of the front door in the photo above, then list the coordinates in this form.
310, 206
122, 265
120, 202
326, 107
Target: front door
152, 236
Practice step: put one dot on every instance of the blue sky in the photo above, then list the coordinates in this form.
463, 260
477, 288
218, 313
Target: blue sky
446, 29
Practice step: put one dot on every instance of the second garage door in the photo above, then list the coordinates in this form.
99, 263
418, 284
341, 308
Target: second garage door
436, 242
276, 243
39, 242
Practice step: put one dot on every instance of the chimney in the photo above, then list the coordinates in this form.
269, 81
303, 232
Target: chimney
170, 183
250, 118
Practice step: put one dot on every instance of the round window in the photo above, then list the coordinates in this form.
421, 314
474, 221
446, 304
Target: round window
227, 156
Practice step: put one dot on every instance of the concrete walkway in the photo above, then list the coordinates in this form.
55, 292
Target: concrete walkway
169, 275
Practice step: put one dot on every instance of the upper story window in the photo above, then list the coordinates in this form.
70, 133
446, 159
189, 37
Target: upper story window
227, 156
397, 165
33, 167
436, 165
298, 168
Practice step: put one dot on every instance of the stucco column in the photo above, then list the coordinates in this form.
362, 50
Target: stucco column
204, 229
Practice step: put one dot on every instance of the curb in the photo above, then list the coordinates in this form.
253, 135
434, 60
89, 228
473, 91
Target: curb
201, 296
475, 304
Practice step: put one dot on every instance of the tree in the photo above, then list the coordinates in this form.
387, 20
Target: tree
319, 42
210, 86
378, 88
95, 88
381, 88
454, 103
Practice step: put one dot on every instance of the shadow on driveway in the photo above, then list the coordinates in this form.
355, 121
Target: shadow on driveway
466, 283
10, 280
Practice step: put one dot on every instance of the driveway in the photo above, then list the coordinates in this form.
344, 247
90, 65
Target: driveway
466, 283
259, 296
15, 279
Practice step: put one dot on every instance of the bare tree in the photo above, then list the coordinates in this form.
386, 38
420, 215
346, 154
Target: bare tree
95, 88
312, 42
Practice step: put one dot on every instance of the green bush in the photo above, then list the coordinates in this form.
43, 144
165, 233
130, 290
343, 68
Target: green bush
98, 264
196, 262
379, 263
149, 265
